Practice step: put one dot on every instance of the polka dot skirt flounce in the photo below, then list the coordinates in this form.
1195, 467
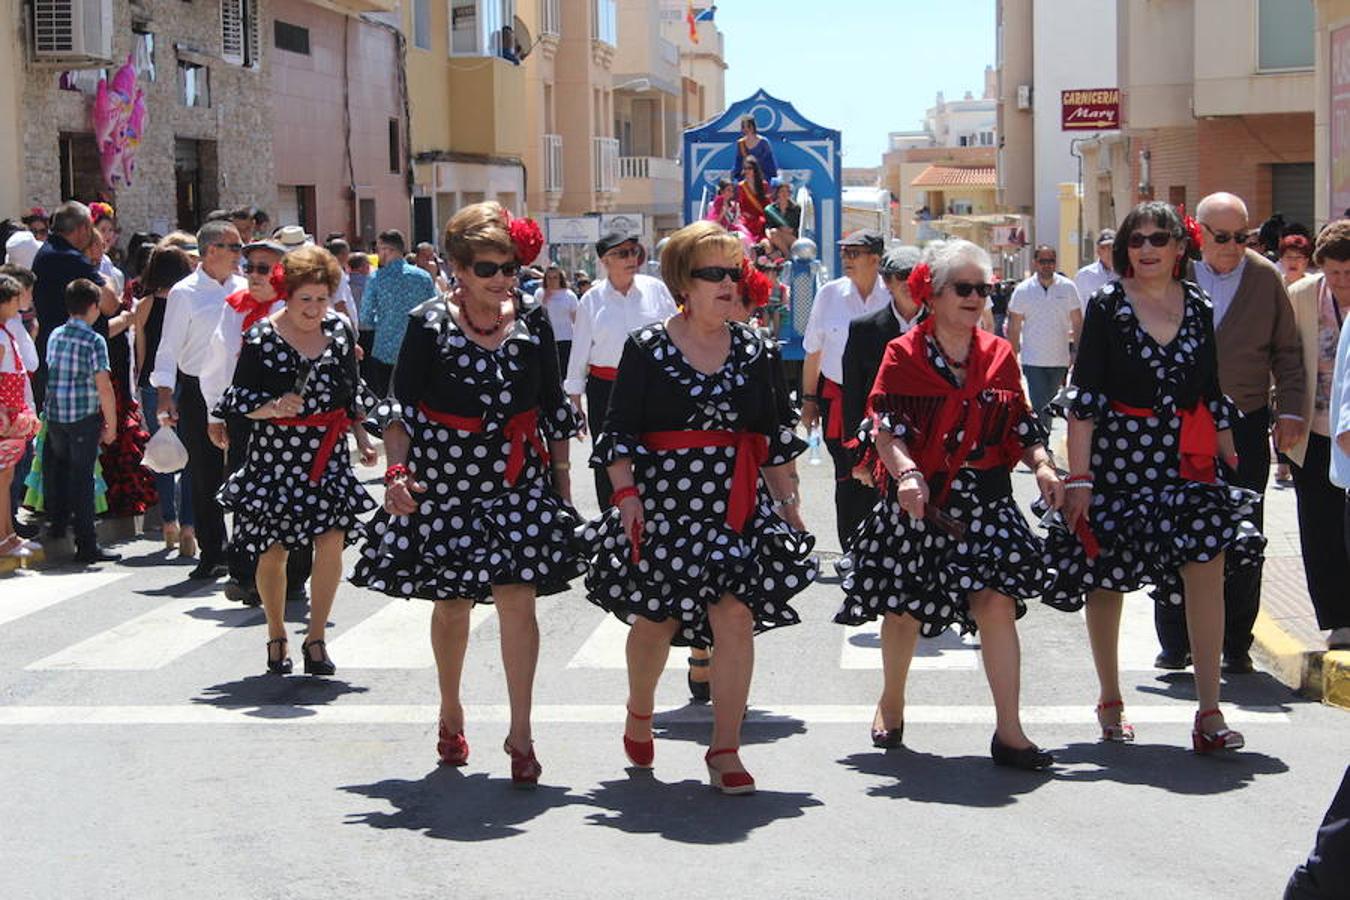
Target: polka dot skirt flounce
906, 566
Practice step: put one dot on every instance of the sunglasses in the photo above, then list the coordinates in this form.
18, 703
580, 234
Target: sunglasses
855, 252
1156, 238
188, 248
1223, 237
257, 269
233, 248
623, 253
963, 288
1045, 261
715, 274
484, 269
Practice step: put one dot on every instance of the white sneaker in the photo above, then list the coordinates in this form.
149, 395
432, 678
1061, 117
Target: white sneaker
1339, 639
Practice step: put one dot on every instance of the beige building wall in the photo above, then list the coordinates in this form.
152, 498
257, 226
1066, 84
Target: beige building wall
1016, 153
13, 201
585, 108
1331, 14
1227, 79
540, 110
702, 64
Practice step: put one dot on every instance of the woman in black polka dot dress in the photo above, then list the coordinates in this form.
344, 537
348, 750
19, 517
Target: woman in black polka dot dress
478, 505
946, 545
1146, 504
297, 379
690, 550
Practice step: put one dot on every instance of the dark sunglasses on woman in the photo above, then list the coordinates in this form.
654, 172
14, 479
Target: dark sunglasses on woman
716, 273
484, 269
257, 269
963, 288
1156, 238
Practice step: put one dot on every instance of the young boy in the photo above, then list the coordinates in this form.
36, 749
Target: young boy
80, 412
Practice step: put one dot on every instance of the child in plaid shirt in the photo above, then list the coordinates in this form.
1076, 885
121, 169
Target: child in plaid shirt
80, 413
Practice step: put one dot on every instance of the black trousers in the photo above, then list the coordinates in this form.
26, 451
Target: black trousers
1241, 590
1326, 874
208, 470
1321, 532
243, 564
853, 500
597, 409
564, 356
68, 458
377, 375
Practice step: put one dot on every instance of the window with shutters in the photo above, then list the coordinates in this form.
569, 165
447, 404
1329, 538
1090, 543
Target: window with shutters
239, 32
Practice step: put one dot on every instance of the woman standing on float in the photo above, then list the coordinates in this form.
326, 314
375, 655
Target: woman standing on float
947, 544
477, 508
692, 552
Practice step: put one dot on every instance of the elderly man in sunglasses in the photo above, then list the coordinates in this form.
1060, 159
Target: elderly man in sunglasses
1044, 317
1258, 343
621, 302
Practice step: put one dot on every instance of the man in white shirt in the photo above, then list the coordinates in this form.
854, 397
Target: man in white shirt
837, 304
620, 303
1096, 275
1044, 317
344, 302
191, 313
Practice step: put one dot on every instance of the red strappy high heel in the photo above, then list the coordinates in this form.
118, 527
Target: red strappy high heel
1214, 741
640, 753
525, 768
1121, 732
453, 749
728, 782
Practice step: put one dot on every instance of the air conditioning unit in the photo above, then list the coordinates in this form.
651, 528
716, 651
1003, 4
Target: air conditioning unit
1024, 96
72, 31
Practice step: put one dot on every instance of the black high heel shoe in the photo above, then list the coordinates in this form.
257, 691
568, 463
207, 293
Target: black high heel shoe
884, 738
321, 666
699, 691
1031, 758
282, 665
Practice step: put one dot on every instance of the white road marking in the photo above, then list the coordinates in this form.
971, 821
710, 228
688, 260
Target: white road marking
398, 636
373, 714
948, 651
605, 648
25, 594
157, 638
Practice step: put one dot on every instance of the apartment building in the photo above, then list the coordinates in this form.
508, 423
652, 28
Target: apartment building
1332, 108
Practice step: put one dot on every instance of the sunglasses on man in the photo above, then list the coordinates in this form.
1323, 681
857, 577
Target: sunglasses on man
484, 269
623, 253
257, 269
233, 248
1045, 260
715, 274
855, 252
1223, 237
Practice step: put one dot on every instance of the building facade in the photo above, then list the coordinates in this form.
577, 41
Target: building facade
1331, 116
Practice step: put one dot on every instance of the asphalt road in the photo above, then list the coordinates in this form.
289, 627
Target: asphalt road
142, 754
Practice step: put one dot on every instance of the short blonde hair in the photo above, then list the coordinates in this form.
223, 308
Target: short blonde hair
677, 257
477, 228
310, 264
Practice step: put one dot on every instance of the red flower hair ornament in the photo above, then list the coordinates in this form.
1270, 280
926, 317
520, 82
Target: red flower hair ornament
1192, 229
527, 237
755, 285
920, 284
278, 281
98, 210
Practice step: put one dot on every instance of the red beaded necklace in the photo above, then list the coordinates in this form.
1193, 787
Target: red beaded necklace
948, 359
481, 332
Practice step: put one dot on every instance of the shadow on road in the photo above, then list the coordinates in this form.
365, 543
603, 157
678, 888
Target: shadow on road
449, 805
693, 723
275, 697
955, 780
1257, 690
689, 811
1170, 767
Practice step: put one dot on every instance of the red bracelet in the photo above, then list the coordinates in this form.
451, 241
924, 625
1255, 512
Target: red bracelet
395, 472
1080, 479
912, 470
622, 494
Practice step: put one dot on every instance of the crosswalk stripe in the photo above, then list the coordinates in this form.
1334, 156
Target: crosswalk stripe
606, 648
425, 714
26, 594
395, 637
155, 639
949, 651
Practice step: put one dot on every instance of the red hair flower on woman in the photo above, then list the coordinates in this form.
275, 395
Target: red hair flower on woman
1192, 229
278, 281
527, 237
100, 210
920, 283
755, 284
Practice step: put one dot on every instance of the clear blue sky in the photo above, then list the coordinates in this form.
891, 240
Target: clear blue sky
865, 67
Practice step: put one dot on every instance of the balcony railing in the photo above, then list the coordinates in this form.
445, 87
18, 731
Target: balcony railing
550, 17
649, 167
553, 164
606, 164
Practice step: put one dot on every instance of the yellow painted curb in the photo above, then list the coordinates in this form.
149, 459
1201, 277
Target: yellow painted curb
1289, 661
1336, 678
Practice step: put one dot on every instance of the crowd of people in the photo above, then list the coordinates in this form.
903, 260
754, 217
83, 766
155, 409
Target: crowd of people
264, 350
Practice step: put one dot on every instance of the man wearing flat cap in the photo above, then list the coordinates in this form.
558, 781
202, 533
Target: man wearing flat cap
1096, 275
837, 304
621, 302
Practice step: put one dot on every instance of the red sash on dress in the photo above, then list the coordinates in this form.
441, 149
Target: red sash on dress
521, 429
338, 423
752, 451
833, 391
1199, 439
604, 373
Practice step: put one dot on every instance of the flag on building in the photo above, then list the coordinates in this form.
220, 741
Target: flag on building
707, 14
691, 17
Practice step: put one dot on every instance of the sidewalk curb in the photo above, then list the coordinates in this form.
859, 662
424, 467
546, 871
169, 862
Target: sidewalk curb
109, 531
1313, 672
1336, 678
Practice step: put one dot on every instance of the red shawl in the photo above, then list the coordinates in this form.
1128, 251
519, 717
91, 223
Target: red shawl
907, 382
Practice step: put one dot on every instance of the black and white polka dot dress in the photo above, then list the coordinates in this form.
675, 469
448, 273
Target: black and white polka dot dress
271, 496
1148, 520
907, 566
689, 555
472, 529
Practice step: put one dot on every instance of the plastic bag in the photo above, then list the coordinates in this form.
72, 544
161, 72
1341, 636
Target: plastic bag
165, 453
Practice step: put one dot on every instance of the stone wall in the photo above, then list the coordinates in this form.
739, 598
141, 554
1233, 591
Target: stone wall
239, 118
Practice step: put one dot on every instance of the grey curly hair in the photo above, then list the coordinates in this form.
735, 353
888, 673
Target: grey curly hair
944, 257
